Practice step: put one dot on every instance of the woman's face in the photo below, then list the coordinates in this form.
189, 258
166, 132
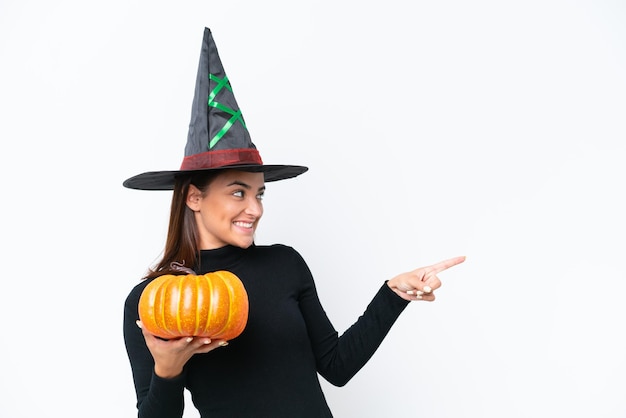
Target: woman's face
229, 210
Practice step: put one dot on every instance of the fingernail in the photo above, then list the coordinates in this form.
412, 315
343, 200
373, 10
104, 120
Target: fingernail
138, 322
415, 292
207, 341
189, 339
427, 289
419, 297
223, 343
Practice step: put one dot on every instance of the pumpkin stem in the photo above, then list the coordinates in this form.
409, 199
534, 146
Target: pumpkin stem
181, 267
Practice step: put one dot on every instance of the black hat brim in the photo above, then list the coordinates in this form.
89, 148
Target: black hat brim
164, 180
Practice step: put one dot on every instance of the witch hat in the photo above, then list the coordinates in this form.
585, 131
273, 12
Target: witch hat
218, 137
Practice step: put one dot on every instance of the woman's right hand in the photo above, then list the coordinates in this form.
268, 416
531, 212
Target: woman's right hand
171, 355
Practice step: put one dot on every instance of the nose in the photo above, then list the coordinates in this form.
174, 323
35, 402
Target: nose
254, 207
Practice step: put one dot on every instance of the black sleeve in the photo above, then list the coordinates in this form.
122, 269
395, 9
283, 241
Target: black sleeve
156, 397
340, 358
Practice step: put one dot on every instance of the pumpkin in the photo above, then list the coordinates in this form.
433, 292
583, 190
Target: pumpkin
213, 305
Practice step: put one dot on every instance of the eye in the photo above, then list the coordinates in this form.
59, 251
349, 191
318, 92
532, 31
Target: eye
238, 193
260, 196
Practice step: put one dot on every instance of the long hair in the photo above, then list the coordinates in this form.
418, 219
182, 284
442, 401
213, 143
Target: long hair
182, 242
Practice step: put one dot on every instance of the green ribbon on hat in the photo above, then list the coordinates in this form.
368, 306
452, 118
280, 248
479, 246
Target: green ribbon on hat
235, 114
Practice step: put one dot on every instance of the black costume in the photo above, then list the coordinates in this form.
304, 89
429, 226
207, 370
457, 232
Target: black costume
271, 369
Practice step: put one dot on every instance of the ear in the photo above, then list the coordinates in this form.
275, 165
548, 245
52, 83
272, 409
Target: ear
194, 197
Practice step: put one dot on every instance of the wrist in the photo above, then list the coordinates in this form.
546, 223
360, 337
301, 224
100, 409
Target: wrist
392, 284
167, 373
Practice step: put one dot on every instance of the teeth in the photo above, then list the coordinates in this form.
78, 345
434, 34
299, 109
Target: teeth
244, 224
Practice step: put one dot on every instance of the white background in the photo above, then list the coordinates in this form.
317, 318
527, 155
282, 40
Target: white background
491, 129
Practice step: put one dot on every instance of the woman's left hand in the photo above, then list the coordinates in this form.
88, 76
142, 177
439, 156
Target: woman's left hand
420, 284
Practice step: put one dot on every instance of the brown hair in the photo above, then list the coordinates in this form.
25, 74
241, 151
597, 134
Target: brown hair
181, 245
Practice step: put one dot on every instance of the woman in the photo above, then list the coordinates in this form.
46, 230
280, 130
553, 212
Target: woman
271, 369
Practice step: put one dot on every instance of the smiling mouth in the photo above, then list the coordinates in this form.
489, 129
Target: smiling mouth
244, 224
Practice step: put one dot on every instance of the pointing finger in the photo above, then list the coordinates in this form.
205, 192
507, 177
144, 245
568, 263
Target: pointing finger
446, 264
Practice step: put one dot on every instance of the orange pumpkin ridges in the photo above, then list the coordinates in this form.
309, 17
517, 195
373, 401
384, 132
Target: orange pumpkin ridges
225, 310
233, 312
199, 304
216, 315
213, 305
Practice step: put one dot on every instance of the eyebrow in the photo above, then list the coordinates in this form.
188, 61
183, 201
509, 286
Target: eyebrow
244, 185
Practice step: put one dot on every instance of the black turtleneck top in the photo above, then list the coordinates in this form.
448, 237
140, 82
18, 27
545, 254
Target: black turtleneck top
271, 369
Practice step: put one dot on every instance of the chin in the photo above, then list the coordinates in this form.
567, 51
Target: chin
244, 244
